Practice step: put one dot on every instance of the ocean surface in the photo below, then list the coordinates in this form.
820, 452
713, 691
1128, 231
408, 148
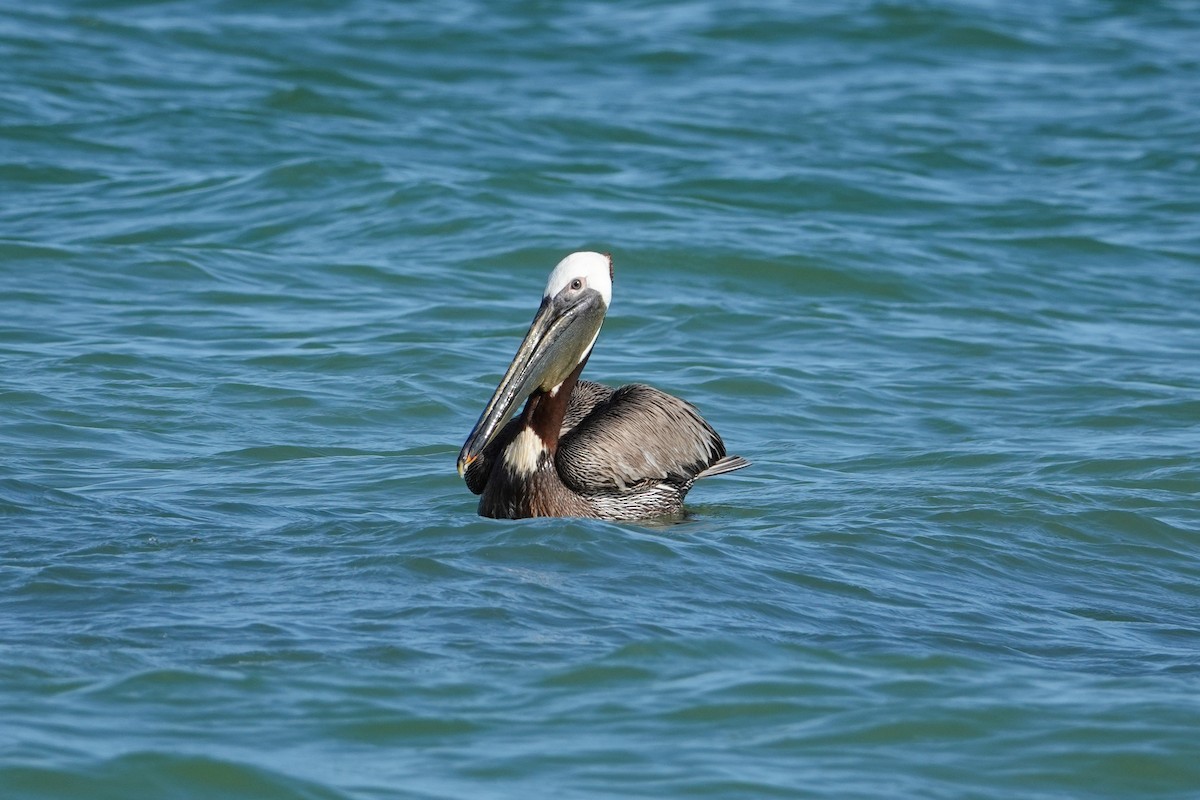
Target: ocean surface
932, 265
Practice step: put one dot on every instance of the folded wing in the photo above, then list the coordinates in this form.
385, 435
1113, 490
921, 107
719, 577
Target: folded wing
633, 435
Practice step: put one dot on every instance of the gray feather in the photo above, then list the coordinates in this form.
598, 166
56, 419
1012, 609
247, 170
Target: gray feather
635, 435
722, 466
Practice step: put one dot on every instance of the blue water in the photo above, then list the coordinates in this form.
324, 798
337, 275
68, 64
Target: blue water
933, 267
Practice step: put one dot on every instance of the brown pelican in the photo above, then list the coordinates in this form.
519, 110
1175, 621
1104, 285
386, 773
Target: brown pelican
580, 449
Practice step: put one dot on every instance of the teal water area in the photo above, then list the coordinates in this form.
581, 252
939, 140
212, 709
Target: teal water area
934, 267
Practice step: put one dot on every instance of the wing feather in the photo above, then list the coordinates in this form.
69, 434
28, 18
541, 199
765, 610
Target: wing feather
584, 399
634, 435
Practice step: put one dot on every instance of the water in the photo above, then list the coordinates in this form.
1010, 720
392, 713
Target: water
932, 266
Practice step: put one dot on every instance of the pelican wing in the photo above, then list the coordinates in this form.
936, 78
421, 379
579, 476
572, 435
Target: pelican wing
636, 434
585, 398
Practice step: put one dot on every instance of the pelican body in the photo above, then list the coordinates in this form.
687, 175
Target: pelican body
580, 449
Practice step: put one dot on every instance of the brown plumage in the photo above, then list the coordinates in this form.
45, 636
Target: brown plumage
579, 448
627, 453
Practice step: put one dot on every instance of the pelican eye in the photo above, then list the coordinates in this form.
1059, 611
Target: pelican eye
576, 285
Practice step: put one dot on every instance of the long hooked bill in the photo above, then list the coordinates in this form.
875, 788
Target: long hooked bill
539, 350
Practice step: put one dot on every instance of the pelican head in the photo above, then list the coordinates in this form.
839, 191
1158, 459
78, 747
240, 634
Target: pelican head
559, 340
